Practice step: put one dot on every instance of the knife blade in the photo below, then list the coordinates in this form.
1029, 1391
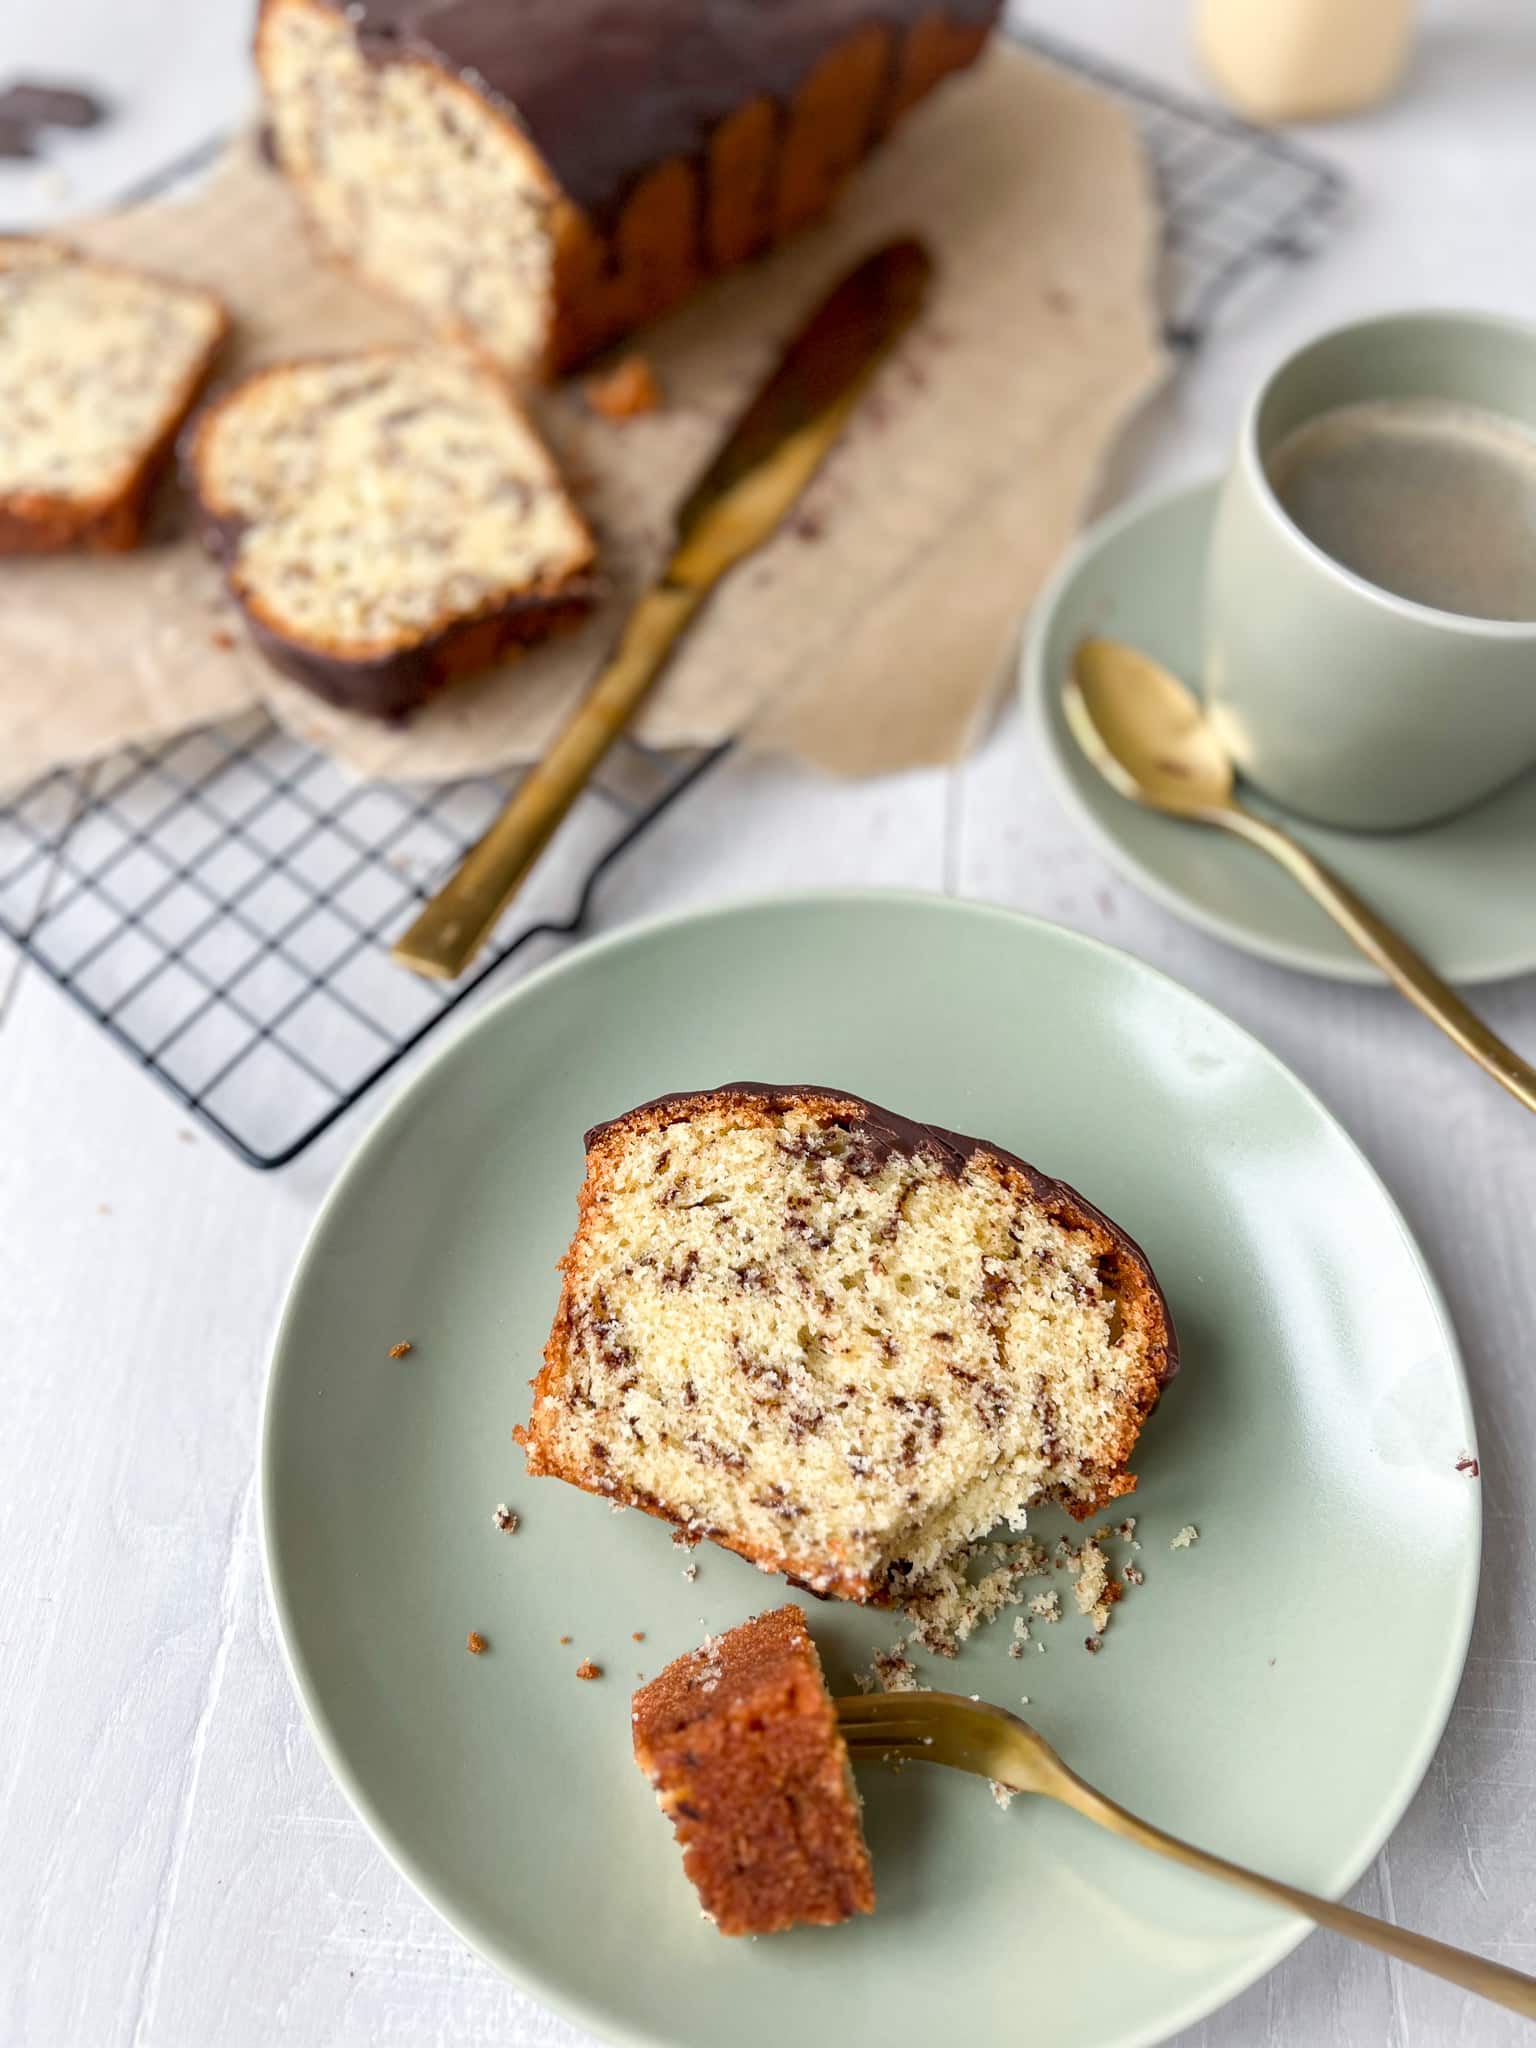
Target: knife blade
770, 454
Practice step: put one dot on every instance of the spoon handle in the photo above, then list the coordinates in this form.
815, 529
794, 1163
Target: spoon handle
1392, 954
1458, 1966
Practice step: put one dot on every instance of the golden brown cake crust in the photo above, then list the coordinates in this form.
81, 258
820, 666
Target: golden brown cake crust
740, 1740
1150, 1360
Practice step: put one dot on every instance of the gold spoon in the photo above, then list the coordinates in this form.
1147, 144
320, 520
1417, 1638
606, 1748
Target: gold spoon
1149, 738
943, 1728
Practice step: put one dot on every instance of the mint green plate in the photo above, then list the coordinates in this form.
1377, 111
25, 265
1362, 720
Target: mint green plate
1274, 1693
1462, 890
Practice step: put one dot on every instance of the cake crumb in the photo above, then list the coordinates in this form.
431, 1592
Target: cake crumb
1468, 1464
895, 1671
504, 1518
1003, 1794
565, 1639
1093, 1644
1047, 1606
1092, 1587
400, 1350
690, 1572
1127, 1529
625, 391
637, 1635
1187, 1535
476, 1644
948, 1604
1133, 1575
587, 1669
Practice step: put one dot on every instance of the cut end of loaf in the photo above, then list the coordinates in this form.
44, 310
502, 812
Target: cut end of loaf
413, 178
838, 1342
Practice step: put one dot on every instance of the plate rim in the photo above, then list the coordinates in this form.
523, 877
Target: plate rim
572, 2005
1033, 686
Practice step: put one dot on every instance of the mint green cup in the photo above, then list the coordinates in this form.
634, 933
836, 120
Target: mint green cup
1344, 702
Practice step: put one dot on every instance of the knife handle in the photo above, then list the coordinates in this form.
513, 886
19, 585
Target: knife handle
452, 927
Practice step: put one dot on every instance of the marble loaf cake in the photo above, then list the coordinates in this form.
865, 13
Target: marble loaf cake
838, 1342
740, 1741
540, 176
388, 521
98, 368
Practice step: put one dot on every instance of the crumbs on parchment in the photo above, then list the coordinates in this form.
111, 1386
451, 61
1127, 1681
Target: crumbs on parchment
504, 1518
477, 1644
401, 1349
587, 1669
1187, 1535
625, 391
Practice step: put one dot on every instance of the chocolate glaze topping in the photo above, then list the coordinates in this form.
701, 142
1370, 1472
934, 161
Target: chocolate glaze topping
607, 88
892, 1135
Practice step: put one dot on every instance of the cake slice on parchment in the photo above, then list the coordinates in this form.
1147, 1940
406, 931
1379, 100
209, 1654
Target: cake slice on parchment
99, 366
838, 1342
740, 1740
388, 521
540, 176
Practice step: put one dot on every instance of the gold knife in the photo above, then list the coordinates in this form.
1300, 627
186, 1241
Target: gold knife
765, 462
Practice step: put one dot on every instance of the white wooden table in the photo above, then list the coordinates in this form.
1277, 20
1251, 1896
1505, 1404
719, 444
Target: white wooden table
175, 1864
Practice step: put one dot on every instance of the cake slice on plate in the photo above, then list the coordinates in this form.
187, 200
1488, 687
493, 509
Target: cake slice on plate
99, 366
388, 520
740, 1740
838, 1342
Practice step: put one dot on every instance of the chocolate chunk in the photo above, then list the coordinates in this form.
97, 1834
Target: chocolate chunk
50, 106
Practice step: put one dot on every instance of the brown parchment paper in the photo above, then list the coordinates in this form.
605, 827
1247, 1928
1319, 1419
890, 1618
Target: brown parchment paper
869, 635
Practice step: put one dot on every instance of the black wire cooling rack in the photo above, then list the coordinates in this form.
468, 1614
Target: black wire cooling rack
223, 904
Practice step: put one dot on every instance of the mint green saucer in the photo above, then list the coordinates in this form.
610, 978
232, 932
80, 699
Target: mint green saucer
1275, 1692
1463, 891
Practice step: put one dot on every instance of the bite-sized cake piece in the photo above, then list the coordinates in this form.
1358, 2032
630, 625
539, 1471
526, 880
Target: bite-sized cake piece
839, 1342
388, 521
539, 178
98, 369
740, 1740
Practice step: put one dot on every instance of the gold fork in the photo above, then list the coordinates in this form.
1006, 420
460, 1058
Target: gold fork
969, 1735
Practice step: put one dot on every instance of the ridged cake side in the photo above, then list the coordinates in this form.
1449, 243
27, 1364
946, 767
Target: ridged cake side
838, 1342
